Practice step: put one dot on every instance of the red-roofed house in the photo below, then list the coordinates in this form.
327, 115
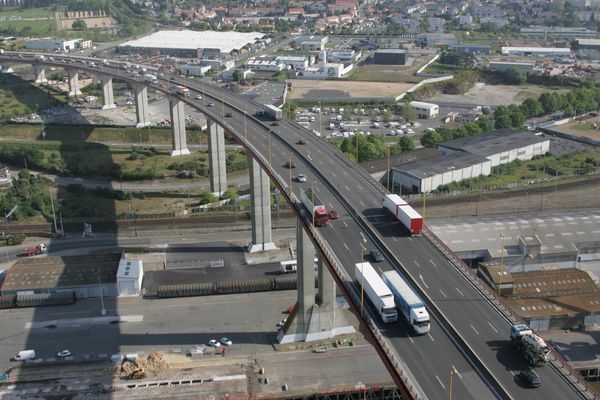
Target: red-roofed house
296, 11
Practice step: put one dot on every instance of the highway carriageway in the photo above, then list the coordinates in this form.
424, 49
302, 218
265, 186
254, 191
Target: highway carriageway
468, 332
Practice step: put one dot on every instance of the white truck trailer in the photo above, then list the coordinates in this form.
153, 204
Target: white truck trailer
273, 112
409, 303
377, 291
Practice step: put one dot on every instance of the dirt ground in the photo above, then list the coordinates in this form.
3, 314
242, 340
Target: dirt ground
493, 95
306, 89
582, 128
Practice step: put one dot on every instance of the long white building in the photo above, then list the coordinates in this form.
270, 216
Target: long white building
537, 51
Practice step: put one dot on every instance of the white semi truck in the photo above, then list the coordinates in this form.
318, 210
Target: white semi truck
409, 303
533, 347
376, 290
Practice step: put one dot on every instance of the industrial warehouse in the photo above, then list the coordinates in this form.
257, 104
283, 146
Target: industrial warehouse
467, 158
193, 44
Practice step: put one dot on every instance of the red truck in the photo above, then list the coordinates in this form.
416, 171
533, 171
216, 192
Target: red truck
34, 251
315, 207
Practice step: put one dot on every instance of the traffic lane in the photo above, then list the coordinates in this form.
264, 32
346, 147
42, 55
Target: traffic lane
496, 349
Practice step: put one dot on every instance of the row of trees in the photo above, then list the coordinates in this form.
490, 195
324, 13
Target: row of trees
442, 134
373, 147
30, 194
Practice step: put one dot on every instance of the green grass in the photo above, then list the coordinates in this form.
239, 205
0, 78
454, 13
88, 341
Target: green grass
38, 27
439, 68
378, 73
19, 97
40, 12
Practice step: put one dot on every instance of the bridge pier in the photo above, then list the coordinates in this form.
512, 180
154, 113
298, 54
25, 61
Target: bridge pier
40, 74
178, 135
107, 93
314, 318
216, 158
141, 106
74, 84
6, 68
260, 199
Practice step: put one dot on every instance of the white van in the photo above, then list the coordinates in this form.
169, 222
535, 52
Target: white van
25, 355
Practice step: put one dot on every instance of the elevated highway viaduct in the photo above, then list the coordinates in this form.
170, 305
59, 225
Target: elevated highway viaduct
470, 327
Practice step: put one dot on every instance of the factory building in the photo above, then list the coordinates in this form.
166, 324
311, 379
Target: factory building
537, 51
295, 62
50, 44
311, 43
344, 56
426, 175
425, 110
504, 65
195, 69
260, 65
129, 277
472, 48
389, 57
501, 146
193, 44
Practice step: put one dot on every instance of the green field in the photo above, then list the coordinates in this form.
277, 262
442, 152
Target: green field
19, 97
41, 12
114, 162
38, 27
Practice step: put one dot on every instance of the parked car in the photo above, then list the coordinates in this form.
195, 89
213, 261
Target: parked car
529, 378
301, 178
214, 343
376, 256
64, 353
225, 341
333, 214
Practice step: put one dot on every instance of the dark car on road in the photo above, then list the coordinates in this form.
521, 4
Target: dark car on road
529, 379
302, 141
376, 256
229, 115
333, 214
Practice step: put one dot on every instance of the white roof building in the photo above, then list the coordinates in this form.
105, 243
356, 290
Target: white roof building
536, 51
187, 40
129, 277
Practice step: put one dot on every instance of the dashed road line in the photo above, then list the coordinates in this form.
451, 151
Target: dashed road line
472, 327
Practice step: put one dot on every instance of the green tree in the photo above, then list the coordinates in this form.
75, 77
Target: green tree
404, 144
532, 108
409, 113
431, 139
79, 25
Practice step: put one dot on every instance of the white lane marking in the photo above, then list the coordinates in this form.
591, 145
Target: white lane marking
330, 205
409, 238
345, 173
394, 238
363, 237
423, 280
434, 264
411, 340
472, 327
347, 188
440, 382
320, 162
359, 187
415, 261
461, 293
457, 373
345, 224
492, 326
346, 246
430, 337
331, 225
308, 156
443, 294
334, 175
361, 203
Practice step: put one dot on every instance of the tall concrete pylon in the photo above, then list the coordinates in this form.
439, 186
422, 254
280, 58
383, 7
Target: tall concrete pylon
74, 83
260, 198
141, 106
217, 158
40, 74
107, 93
178, 134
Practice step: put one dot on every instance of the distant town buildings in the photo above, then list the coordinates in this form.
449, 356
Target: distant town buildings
53, 44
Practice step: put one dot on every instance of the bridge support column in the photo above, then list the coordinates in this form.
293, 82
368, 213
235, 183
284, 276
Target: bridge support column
6, 68
107, 93
74, 84
260, 198
141, 106
216, 160
178, 135
40, 74
313, 320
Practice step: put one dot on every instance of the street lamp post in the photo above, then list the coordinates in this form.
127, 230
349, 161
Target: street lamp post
501, 263
270, 148
362, 279
453, 372
102, 310
389, 169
